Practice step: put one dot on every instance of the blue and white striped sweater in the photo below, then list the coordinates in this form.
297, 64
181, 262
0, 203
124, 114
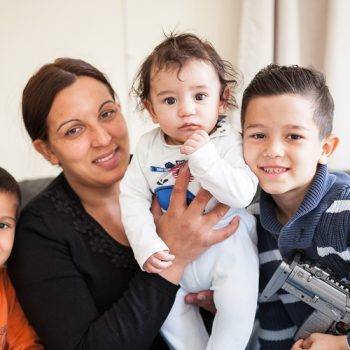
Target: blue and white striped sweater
321, 229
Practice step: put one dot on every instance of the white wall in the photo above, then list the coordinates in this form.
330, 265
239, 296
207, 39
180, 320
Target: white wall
114, 35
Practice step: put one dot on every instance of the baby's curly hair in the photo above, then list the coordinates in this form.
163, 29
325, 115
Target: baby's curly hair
176, 50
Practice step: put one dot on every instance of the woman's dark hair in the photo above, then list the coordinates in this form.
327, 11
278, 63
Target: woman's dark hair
175, 51
8, 184
45, 84
306, 82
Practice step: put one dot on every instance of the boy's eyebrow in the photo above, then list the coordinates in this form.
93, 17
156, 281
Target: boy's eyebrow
288, 126
7, 218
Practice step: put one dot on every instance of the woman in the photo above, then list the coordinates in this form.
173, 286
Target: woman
73, 270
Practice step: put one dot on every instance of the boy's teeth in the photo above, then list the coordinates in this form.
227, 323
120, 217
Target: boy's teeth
274, 170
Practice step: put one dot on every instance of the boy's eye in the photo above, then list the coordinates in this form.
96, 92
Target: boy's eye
294, 137
170, 100
4, 226
200, 97
258, 136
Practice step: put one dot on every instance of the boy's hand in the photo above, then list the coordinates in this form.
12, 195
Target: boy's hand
319, 341
197, 140
203, 299
158, 262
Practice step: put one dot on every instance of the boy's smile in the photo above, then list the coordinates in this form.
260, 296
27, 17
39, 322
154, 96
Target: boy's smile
282, 146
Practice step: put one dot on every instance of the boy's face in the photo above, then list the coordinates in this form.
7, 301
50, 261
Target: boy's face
185, 101
8, 208
281, 144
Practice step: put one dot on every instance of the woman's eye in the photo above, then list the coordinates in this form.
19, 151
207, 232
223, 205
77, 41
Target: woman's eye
200, 97
72, 131
107, 114
3, 226
170, 100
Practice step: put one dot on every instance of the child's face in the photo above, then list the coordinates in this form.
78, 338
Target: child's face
281, 144
186, 101
8, 207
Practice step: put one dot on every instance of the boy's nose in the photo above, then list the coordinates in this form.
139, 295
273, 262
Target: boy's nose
100, 137
274, 148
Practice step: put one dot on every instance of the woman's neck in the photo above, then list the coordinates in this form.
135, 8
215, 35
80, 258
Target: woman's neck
102, 204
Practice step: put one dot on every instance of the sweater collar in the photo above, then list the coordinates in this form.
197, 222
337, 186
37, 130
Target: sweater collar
320, 185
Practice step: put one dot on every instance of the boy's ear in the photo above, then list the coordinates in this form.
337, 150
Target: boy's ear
223, 100
148, 105
45, 150
329, 145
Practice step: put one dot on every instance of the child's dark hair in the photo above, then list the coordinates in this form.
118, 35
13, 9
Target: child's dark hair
306, 82
8, 184
176, 50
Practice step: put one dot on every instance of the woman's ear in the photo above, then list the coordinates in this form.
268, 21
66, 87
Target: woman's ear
148, 105
329, 145
223, 100
45, 150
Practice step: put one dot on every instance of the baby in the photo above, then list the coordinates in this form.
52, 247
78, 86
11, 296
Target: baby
187, 88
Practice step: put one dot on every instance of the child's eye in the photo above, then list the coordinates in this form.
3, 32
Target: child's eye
258, 136
294, 137
200, 97
4, 226
170, 100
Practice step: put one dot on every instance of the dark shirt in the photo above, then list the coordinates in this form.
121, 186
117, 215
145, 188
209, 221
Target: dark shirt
79, 287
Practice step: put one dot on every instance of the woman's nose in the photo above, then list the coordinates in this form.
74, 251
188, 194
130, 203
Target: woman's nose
274, 148
100, 136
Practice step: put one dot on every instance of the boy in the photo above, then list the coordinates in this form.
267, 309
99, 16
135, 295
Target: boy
186, 87
15, 332
286, 120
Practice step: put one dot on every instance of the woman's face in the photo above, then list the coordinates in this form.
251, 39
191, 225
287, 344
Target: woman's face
87, 135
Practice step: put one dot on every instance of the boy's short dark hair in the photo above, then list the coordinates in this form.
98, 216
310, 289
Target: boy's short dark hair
8, 184
307, 82
175, 51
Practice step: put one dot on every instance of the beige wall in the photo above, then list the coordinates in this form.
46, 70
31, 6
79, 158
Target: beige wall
114, 35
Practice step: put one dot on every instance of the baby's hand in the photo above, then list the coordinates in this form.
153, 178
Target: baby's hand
197, 140
158, 261
319, 341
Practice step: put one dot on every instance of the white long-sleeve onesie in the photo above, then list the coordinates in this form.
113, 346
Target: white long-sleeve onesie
230, 268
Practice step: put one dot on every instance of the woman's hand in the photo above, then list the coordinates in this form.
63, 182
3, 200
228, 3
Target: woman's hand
186, 230
319, 341
203, 299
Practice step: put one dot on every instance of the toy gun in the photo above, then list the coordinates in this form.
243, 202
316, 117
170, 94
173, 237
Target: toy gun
317, 288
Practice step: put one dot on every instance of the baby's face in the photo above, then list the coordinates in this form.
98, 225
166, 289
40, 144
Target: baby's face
8, 208
185, 101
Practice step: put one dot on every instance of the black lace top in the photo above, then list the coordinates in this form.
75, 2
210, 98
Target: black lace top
79, 287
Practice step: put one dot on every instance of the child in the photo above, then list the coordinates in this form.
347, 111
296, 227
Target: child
286, 120
15, 332
185, 86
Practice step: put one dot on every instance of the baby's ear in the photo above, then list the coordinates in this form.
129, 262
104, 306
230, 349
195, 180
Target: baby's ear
148, 105
43, 147
329, 145
224, 101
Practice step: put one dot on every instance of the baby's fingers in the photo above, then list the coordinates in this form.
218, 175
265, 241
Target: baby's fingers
164, 255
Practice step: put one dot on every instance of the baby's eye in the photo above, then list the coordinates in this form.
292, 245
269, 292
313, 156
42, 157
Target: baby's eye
4, 226
200, 97
294, 137
73, 131
170, 100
